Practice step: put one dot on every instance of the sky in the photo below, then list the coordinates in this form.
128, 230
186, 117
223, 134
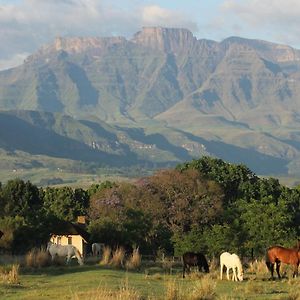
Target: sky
26, 25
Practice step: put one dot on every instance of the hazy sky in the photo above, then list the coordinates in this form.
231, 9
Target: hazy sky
25, 25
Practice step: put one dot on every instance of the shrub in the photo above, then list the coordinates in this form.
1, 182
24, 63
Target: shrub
37, 258
167, 264
294, 294
134, 261
205, 288
10, 275
173, 291
258, 267
117, 259
105, 256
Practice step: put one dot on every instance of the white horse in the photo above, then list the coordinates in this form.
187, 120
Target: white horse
231, 261
64, 251
96, 249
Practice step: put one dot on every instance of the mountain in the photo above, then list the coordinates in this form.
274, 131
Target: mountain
162, 97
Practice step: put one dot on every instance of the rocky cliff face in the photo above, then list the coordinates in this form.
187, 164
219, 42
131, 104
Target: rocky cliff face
165, 39
168, 76
115, 78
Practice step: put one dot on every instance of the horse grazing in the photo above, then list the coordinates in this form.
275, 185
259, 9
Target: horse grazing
96, 249
278, 255
64, 251
191, 259
231, 261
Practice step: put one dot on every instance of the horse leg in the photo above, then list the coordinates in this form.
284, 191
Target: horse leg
295, 274
183, 270
234, 278
188, 269
227, 271
68, 259
271, 268
278, 268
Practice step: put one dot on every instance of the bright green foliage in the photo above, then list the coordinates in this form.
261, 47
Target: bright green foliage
19, 198
65, 203
266, 223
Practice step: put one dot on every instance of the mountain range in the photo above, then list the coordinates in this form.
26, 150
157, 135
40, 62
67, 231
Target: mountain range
157, 99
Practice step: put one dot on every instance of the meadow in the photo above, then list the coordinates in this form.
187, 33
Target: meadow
151, 281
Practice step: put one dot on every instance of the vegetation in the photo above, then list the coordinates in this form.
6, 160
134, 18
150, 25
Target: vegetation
204, 205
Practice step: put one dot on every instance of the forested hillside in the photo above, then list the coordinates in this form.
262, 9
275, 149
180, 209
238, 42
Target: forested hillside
204, 205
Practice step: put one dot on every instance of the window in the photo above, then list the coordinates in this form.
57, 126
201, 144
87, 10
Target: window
69, 240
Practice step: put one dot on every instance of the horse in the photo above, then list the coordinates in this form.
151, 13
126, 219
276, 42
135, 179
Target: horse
64, 250
1, 234
278, 255
191, 259
231, 261
96, 249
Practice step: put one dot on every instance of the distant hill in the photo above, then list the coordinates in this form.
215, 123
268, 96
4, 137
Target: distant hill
157, 99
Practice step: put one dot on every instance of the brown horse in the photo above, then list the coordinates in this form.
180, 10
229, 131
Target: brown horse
191, 259
278, 255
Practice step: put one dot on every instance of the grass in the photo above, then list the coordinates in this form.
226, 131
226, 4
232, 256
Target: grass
103, 282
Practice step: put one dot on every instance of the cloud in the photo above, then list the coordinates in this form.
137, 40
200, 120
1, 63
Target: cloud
13, 61
28, 24
279, 20
155, 15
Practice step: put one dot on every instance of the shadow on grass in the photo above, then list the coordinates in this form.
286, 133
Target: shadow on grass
57, 270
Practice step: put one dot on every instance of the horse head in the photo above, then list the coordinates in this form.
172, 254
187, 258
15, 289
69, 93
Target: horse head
240, 275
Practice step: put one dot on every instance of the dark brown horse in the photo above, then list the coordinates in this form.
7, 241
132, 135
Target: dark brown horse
1, 233
191, 259
278, 255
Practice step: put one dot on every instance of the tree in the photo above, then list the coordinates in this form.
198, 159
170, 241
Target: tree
19, 198
187, 198
266, 223
234, 179
65, 203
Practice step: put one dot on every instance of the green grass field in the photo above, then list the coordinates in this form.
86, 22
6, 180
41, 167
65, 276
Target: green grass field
152, 282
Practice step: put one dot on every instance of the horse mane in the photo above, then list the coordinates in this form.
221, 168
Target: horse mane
239, 264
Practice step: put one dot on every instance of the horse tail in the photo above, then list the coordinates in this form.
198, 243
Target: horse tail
78, 256
268, 262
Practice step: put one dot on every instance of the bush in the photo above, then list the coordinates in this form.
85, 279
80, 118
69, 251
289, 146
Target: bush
134, 261
10, 275
105, 256
37, 258
204, 289
173, 291
118, 256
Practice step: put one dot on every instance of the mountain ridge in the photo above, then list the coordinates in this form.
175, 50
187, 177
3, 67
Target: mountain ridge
240, 92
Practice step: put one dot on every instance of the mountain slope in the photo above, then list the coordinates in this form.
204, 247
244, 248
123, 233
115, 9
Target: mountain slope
159, 98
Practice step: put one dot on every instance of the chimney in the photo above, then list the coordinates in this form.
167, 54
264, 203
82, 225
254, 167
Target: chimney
81, 220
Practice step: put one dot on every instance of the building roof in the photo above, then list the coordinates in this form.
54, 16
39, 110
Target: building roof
69, 228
